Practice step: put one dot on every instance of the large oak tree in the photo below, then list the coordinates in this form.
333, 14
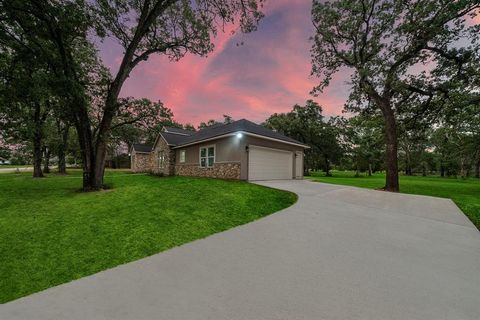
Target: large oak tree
389, 46
169, 27
142, 27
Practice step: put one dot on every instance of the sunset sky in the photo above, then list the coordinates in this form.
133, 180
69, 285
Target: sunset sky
269, 73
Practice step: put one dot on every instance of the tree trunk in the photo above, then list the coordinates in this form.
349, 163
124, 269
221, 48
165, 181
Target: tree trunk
408, 168
37, 142
99, 161
477, 167
327, 166
369, 169
62, 164
391, 183
85, 141
463, 172
46, 158
357, 168
391, 139
93, 153
111, 105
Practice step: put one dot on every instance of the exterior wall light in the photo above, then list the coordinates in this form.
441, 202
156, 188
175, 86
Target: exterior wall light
239, 135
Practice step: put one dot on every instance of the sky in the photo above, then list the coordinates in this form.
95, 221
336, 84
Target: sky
269, 73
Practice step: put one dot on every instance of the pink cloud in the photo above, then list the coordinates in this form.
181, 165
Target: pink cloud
268, 73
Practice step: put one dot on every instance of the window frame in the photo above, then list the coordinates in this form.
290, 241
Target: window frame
183, 153
161, 159
207, 156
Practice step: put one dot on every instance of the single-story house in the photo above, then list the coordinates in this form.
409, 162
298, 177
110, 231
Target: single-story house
239, 150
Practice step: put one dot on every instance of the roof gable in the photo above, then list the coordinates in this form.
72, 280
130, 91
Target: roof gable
145, 148
179, 139
242, 125
173, 139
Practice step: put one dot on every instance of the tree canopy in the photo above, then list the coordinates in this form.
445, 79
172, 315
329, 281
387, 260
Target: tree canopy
307, 124
387, 44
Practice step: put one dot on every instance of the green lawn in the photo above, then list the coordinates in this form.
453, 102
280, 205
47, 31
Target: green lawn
50, 233
464, 192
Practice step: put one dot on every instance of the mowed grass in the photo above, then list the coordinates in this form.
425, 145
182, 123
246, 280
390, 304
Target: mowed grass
464, 192
50, 233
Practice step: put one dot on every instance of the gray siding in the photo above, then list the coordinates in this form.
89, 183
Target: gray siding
226, 150
233, 150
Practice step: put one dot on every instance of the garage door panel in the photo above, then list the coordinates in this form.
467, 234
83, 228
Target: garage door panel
269, 164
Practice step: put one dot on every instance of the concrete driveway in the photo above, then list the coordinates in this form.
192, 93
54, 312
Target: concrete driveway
338, 253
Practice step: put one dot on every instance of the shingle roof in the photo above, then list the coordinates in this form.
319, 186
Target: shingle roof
173, 139
138, 147
178, 131
215, 131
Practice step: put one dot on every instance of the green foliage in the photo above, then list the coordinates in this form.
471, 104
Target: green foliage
51, 234
382, 40
456, 151
172, 28
53, 71
139, 120
226, 120
209, 123
5, 153
21, 155
189, 126
55, 33
307, 124
363, 139
408, 59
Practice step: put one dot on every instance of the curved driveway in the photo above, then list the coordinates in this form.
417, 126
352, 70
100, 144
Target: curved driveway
338, 253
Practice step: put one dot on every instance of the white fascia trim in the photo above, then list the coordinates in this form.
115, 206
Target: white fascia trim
205, 140
180, 134
243, 132
156, 140
278, 140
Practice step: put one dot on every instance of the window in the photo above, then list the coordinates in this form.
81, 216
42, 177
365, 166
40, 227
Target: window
182, 156
207, 156
161, 159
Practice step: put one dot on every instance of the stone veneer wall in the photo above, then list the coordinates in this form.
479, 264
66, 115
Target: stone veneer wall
142, 162
169, 154
229, 170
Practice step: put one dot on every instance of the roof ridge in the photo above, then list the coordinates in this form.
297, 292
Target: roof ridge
211, 132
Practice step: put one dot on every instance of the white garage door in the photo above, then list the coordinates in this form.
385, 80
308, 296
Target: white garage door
269, 164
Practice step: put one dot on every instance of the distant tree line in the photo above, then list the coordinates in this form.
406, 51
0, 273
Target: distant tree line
448, 147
